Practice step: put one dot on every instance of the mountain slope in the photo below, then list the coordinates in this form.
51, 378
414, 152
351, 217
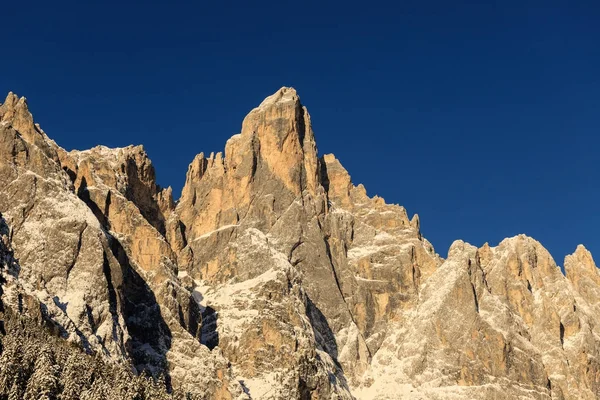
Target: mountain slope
273, 276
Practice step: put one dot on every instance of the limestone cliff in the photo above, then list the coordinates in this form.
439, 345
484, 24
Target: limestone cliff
275, 277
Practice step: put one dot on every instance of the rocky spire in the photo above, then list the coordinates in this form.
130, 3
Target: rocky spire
275, 155
581, 270
581, 261
14, 112
282, 128
335, 179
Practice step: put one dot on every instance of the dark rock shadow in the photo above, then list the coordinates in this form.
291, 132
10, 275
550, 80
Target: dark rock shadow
59, 304
7, 260
72, 175
323, 174
245, 388
150, 336
6, 264
3, 257
193, 323
143, 196
84, 195
207, 322
325, 341
209, 335
2, 282
323, 333
112, 303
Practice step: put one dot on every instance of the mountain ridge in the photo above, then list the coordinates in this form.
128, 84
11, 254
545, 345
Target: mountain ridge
273, 276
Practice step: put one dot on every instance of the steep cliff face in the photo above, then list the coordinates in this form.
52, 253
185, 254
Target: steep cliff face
81, 226
495, 322
273, 276
64, 252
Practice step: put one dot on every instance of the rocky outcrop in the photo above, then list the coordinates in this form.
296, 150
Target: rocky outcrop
274, 276
255, 215
56, 237
498, 322
81, 226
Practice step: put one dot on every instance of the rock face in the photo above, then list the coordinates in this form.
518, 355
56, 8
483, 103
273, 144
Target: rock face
274, 277
82, 225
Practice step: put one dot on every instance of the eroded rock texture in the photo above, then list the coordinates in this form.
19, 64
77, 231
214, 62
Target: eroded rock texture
274, 277
85, 229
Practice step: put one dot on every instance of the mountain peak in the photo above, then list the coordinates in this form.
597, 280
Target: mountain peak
11, 99
15, 110
283, 95
581, 259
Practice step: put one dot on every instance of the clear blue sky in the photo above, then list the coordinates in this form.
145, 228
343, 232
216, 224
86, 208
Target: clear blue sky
484, 119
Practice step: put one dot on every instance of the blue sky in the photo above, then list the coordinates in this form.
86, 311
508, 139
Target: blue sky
484, 119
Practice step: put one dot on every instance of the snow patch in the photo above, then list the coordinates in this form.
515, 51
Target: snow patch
208, 234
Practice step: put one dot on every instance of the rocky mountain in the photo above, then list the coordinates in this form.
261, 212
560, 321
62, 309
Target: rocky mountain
272, 277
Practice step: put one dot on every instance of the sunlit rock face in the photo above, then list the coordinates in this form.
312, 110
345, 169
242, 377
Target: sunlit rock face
275, 277
85, 229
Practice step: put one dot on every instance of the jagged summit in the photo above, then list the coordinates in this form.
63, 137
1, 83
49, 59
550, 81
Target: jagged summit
582, 251
113, 150
283, 95
12, 99
15, 110
275, 277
